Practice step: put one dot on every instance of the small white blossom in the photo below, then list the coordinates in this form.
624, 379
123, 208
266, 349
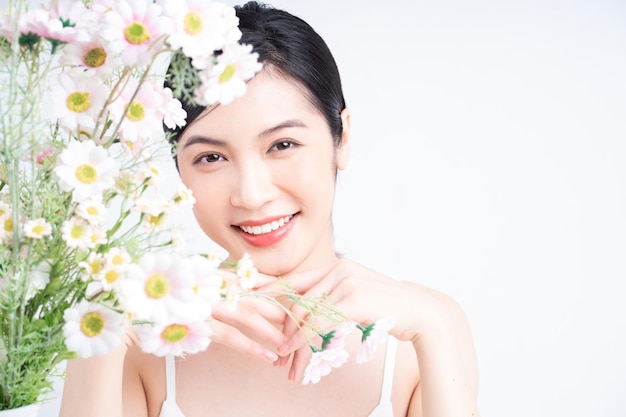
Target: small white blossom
157, 286
247, 272
77, 234
37, 228
92, 210
92, 329
174, 337
201, 26
140, 108
226, 80
172, 110
135, 29
183, 197
75, 102
85, 169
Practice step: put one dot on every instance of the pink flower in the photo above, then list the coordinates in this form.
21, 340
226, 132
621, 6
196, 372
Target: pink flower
322, 362
373, 335
336, 339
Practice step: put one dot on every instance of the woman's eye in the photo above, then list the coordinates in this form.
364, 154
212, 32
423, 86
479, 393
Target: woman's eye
283, 145
208, 158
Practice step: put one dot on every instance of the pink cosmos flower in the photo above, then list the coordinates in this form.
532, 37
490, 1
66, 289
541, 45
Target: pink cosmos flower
322, 362
373, 335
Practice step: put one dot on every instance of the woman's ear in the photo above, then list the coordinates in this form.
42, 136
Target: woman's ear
343, 152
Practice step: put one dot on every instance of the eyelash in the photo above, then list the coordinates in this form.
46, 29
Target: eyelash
282, 145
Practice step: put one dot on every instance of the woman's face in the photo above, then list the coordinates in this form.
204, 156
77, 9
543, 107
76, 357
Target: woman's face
262, 171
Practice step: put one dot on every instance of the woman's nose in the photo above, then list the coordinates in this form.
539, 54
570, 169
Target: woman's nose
253, 186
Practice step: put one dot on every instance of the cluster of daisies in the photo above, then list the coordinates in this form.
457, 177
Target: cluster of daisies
86, 225
80, 206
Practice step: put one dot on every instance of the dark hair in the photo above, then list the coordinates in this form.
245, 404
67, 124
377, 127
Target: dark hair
288, 45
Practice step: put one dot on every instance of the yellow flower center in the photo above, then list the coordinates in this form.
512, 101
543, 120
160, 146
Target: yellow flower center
228, 73
157, 286
174, 333
95, 266
95, 57
86, 173
193, 23
156, 221
92, 324
78, 101
137, 33
117, 260
92, 211
77, 232
111, 276
38, 229
136, 111
8, 225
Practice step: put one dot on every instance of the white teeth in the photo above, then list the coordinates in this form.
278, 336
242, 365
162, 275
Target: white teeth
267, 227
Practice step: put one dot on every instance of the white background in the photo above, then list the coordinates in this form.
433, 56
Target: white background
488, 162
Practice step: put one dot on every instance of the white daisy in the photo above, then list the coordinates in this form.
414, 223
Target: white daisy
77, 234
247, 272
154, 213
75, 101
37, 228
135, 28
174, 337
91, 58
158, 286
92, 329
116, 263
140, 111
183, 197
373, 335
92, 210
92, 267
201, 26
6, 227
85, 169
226, 80
172, 110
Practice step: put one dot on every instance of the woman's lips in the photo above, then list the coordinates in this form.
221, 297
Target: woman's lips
268, 233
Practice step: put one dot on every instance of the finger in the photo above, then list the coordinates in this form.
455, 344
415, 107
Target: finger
234, 339
264, 280
249, 321
301, 358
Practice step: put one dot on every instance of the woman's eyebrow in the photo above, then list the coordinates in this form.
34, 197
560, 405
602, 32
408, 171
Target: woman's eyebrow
203, 140
283, 125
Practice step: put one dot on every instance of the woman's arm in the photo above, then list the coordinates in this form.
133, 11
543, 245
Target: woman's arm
93, 386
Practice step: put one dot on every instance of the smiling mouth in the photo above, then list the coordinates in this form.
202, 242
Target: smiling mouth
267, 227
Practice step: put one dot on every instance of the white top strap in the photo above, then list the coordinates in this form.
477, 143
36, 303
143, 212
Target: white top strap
170, 378
390, 362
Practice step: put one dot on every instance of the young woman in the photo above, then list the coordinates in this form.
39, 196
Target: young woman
263, 170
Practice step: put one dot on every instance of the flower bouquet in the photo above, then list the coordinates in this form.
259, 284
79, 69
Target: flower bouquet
85, 246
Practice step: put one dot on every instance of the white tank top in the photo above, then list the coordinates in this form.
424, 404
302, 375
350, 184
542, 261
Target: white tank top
383, 409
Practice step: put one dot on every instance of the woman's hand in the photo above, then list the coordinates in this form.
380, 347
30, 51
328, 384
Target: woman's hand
252, 326
430, 320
